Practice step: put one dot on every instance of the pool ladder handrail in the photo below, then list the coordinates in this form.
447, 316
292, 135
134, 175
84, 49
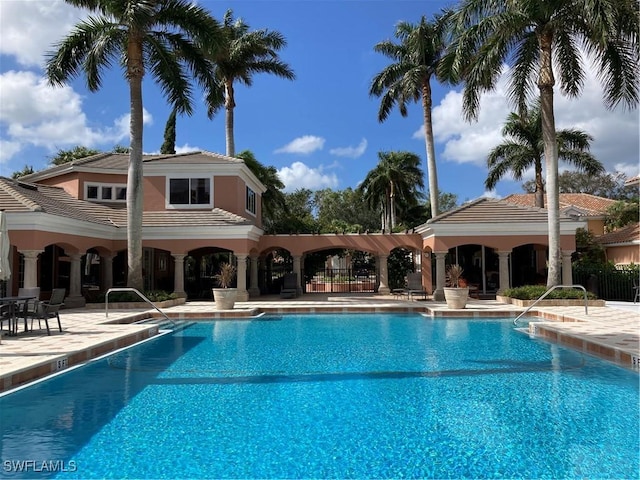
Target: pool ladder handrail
139, 293
515, 320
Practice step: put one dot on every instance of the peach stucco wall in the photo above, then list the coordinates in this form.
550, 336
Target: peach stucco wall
595, 226
154, 193
499, 242
624, 255
38, 240
307, 243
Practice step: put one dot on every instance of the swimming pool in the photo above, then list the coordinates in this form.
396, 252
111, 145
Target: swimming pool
330, 396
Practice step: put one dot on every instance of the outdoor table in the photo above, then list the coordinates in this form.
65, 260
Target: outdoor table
13, 303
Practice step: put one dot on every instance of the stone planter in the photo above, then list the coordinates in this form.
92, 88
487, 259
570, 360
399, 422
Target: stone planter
225, 298
456, 298
134, 305
554, 302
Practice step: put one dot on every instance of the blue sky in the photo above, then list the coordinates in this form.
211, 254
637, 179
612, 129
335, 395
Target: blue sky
320, 130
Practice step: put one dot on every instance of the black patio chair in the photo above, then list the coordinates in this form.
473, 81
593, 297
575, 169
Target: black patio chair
46, 310
289, 286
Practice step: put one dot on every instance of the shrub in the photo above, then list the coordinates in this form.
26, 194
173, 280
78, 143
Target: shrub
153, 295
533, 292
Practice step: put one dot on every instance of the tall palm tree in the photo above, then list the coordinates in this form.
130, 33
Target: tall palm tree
160, 36
397, 174
408, 79
534, 38
243, 54
524, 148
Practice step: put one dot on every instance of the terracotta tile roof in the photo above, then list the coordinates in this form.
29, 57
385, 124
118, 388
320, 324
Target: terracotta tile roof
120, 162
489, 210
17, 196
628, 234
589, 204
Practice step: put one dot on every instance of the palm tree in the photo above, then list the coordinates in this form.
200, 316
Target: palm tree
242, 54
535, 38
524, 148
162, 37
398, 174
408, 79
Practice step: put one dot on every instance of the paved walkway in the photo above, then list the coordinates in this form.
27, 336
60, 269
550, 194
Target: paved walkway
611, 332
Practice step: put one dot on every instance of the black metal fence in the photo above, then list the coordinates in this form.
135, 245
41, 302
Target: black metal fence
607, 284
341, 280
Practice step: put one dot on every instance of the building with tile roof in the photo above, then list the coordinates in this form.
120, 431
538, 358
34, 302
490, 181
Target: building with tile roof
68, 228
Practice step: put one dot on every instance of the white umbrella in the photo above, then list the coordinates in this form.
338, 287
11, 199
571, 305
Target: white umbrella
5, 269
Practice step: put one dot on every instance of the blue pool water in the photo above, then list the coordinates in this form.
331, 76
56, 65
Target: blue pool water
330, 396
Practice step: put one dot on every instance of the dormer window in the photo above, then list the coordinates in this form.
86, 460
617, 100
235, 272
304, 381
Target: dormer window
105, 192
251, 201
195, 192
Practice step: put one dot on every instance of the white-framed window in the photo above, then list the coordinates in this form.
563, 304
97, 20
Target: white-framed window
194, 192
105, 192
250, 204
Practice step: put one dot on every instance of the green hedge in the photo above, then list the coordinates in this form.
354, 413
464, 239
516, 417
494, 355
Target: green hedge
533, 292
154, 296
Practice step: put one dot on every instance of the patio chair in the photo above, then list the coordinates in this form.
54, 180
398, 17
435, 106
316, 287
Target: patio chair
6, 315
289, 286
414, 285
46, 310
26, 309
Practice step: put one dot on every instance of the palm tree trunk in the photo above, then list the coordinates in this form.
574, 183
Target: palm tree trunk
545, 84
135, 72
539, 193
392, 207
432, 172
229, 106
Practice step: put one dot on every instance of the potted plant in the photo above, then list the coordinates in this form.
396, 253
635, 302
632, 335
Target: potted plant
455, 294
225, 296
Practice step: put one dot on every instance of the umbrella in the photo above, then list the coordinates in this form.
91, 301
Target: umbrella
5, 269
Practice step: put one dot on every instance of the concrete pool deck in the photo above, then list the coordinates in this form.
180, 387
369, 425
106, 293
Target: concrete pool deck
611, 332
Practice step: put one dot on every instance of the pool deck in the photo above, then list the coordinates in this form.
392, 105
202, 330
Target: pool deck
611, 332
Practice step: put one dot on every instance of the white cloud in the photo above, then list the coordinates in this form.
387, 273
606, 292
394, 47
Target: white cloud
616, 134
350, 152
303, 145
299, 175
36, 114
29, 29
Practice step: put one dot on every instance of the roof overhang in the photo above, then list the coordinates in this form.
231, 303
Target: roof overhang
567, 227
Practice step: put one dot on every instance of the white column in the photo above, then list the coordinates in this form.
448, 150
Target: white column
298, 271
178, 274
241, 277
383, 288
30, 267
107, 271
438, 293
567, 272
503, 270
254, 289
75, 298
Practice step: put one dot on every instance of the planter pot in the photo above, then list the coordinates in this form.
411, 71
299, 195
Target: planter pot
225, 298
456, 298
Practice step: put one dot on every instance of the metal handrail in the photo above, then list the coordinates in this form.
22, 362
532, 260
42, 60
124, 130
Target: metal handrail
131, 289
515, 320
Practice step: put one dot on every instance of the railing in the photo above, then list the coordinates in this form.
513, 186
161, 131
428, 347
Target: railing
139, 293
515, 320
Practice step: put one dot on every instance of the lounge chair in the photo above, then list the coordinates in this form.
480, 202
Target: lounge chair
289, 286
414, 286
46, 310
